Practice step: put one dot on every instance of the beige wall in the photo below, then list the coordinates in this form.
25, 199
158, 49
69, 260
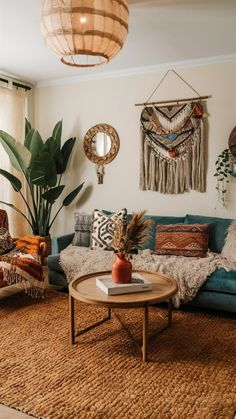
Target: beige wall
111, 101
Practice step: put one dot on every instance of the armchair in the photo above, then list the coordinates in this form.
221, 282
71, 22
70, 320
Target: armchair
23, 265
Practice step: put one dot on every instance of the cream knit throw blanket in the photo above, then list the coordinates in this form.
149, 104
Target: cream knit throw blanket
190, 273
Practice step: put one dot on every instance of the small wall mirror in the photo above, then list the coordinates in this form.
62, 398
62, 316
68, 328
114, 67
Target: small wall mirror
101, 145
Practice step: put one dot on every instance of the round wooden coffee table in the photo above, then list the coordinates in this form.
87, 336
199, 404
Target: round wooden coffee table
84, 289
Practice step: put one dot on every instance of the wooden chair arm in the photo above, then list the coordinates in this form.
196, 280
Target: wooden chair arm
43, 248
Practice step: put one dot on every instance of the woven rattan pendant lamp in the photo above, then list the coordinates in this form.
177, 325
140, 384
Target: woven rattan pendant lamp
85, 33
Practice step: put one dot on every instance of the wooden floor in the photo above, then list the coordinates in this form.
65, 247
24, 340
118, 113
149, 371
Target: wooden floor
7, 413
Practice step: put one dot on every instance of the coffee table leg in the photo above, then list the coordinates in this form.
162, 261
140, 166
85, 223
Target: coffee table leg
170, 306
145, 334
72, 320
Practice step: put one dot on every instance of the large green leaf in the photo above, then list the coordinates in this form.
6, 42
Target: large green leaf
57, 133
18, 154
36, 144
15, 182
27, 127
51, 146
42, 170
28, 138
52, 194
69, 198
59, 162
66, 152
54, 149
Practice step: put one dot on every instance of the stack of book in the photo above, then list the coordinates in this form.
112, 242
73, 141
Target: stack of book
137, 284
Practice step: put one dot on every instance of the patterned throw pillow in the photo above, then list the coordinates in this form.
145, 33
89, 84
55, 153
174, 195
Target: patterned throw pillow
103, 227
182, 239
82, 235
6, 242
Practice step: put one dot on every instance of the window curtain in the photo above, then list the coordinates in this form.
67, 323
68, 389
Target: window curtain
12, 120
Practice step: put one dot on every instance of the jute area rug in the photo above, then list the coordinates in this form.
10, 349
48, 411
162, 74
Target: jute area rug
191, 373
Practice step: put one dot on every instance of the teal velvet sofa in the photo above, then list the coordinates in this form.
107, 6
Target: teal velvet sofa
218, 292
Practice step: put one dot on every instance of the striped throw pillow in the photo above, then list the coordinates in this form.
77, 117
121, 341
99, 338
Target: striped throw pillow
82, 235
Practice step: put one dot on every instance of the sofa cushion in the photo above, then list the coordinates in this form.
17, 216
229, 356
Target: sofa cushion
59, 243
53, 263
218, 229
221, 281
182, 240
57, 278
215, 300
82, 234
103, 227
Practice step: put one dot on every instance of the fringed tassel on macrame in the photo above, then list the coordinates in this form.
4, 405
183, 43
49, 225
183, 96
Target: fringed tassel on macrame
173, 175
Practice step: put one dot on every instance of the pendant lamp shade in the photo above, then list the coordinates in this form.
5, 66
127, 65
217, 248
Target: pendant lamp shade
85, 33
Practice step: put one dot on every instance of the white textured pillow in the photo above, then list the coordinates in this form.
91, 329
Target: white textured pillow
229, 249
103, 227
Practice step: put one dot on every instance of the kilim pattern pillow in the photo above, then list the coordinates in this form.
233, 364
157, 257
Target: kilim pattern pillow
82, 235
6, 242
182, 239
103, 227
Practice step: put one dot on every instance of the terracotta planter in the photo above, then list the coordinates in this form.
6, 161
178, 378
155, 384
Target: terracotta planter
121, 269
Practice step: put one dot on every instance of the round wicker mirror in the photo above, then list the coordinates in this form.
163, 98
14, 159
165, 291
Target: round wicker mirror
101, 145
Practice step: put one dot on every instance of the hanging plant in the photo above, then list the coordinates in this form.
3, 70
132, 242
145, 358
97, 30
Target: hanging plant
223, 167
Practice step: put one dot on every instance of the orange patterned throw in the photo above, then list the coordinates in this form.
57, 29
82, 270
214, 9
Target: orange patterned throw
30, 244
22, 266
182, 239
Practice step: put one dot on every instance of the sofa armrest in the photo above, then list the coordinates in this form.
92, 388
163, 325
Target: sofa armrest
61, 242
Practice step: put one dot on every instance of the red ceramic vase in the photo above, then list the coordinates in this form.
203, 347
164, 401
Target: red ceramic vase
121, 269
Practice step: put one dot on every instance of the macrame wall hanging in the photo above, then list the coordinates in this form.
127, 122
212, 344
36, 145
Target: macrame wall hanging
172, 144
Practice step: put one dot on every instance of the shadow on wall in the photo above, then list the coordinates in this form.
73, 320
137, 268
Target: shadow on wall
78, 159
84, 197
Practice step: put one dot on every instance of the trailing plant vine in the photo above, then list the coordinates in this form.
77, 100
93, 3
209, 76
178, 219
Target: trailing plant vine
223, 167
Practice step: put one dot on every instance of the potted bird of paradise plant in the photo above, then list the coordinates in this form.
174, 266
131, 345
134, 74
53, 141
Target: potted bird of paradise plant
42, 165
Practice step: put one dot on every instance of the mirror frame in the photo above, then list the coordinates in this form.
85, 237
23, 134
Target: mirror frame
115, 144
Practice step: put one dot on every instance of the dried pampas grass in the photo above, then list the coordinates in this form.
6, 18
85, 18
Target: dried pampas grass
133, 235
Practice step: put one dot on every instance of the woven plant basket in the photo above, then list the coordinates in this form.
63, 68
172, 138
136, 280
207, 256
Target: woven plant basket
85, 33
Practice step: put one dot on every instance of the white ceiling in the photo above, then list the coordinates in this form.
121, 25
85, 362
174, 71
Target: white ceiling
160, 32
